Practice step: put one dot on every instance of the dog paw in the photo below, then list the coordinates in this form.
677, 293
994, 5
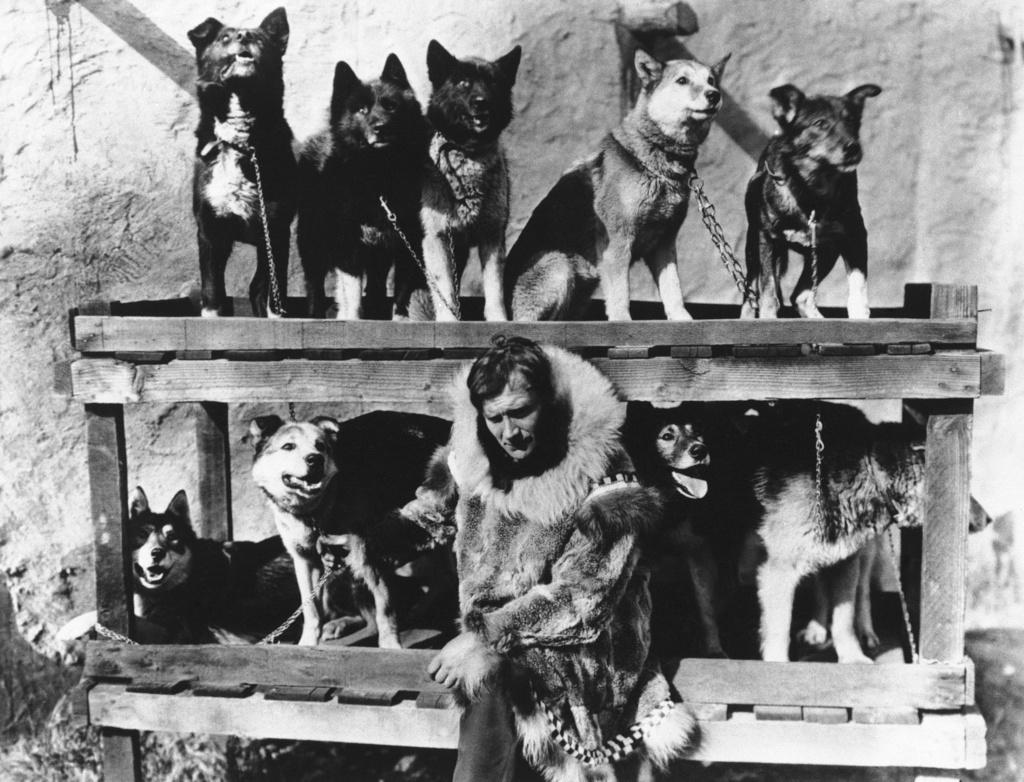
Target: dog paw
868, 639
389, 641
815, 634
342, 626
852, 655
858, 313
210, 312
309, 637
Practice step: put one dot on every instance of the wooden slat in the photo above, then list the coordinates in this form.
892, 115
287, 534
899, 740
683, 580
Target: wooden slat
939, 300
940, 741
993, 373
106, 334
946, 510
422, 386
323, 666
212, 517
709, 712
822, 684
779, 713
828, 715
361, 695
890, 716
401, 726
122, 753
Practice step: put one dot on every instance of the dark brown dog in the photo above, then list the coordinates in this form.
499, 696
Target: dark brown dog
806, 182
242, 126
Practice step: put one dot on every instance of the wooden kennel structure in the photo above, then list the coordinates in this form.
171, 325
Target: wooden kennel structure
920, 718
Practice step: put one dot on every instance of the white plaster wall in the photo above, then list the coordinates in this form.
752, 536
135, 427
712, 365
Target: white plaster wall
96, 121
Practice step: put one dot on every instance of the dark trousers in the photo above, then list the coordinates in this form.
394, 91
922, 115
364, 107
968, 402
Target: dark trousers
488, 744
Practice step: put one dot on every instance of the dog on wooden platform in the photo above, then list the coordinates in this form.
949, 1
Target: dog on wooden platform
804, 193
621, 204
196, 590
373, 149
244, 162
340, 481
465, 199
693, 454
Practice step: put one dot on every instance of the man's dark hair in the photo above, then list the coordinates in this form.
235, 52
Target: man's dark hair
508, 355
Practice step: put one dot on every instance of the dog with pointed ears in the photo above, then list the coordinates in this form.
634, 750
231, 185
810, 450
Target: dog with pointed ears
625, 202
803, 197
373, 149
244, 162
465, 199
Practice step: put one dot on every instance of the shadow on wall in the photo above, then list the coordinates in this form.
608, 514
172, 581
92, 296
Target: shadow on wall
30, 684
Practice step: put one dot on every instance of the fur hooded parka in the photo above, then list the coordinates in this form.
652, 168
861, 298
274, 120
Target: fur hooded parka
550, 574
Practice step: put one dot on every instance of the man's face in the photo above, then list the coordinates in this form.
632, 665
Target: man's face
511, 417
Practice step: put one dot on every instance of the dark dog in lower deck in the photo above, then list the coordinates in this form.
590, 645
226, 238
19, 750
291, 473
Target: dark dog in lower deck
242, 126
466, 182
693, 453
196, 590
340, 481
626, 202
804, 193
373, 149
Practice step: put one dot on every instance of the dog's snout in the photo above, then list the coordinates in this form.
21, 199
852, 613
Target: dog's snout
244, 36
157, 554
478, 101
315, 460
698, 451
712, 97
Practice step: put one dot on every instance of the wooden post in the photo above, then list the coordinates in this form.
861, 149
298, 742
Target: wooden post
108, 478
212, 518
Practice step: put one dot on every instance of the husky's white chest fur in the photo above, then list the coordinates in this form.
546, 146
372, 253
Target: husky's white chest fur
228, 190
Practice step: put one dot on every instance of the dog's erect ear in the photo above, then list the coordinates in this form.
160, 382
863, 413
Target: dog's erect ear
508, 64
328, 425
178, 506
138, 503
647, 68
440, 62
394, 72
345, 81
719, 68
275, 25
201, 35
262, 427
858, 95
786, 101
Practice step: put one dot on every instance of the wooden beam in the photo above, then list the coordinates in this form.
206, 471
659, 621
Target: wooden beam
213, 516
939, 300
122, 754
105, 334
421, 386
822, 684
946, 517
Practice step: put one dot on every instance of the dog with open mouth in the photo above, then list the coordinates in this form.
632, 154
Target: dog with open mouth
338, 482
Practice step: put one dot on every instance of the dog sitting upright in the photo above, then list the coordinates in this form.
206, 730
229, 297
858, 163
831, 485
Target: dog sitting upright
373, 148
624, 203
341, 480
806, 181
241, 117
466, 184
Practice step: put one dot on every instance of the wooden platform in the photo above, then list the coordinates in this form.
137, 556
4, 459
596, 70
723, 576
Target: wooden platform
924, 353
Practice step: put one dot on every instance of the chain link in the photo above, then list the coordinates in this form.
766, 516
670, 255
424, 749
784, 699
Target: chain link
274, 634
275, 290
889, 534
112, 635
819, 476
814, 257
451, 305
707, 216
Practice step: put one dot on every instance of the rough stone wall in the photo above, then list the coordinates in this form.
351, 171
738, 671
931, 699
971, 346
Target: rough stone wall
95, 165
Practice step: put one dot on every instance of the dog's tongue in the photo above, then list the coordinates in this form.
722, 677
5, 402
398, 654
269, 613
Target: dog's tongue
691, 487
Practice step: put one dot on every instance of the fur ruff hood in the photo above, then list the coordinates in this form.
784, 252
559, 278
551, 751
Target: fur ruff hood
596, 416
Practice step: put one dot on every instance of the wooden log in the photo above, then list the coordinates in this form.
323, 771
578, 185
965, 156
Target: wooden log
213, 516
822, 684
422, 386
320, 666
107, 334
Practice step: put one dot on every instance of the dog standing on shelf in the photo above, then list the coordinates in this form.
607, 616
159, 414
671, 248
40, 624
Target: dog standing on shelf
373, 149
196, 590
804, 197
626, 202
325, 479
243, 146
466, 184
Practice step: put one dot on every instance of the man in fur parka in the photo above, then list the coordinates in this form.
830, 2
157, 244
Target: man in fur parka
552, 590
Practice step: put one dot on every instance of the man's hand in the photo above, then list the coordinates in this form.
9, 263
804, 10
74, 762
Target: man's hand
464, 664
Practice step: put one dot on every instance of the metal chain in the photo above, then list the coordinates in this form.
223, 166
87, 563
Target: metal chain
275, 290
707, 216
291, 411
814, 257
819, 476
894, 561
275, 633
112, 635
612, 749
452, 306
